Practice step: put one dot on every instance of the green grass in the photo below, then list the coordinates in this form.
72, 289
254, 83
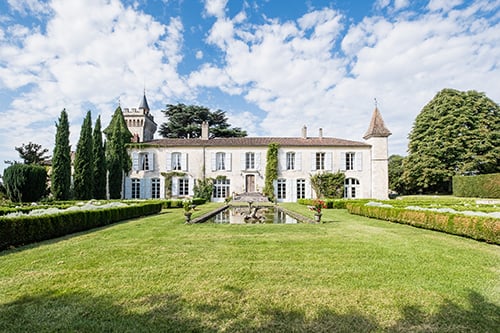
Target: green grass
350, 274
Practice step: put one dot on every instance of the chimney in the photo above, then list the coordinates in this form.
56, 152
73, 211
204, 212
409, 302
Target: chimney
204, 130
320, 133
304, 132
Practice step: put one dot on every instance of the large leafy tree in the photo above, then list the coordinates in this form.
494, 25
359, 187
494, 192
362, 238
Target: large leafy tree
117, 159
99, 163
31, 153
456, 133
83, 176
184, 121
396, 182
61, 161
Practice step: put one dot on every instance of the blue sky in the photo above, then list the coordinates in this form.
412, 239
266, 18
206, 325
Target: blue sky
273, 66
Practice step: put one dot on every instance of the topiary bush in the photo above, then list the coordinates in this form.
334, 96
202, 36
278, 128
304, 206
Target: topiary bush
25, 182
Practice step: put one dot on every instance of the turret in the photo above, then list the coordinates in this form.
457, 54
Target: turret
140, 121
377, 136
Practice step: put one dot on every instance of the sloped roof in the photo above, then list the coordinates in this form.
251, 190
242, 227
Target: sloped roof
257, 141
144, 103
377, 126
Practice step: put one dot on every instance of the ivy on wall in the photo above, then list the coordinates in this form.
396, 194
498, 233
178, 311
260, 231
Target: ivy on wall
271, 170
328, 185
203, 188
168, 181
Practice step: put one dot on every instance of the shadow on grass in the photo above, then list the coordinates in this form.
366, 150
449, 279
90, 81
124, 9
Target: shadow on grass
80, 312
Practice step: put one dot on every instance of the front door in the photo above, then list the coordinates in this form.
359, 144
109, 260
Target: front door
250, 183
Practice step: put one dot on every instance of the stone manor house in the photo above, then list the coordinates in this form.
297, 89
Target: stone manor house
164, 168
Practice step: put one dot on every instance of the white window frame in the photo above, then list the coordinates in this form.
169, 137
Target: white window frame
220, 161
290, 160
281, 189
155, 188
301, 188
249, 161
135, 188
176, 161
222, 188
183, 186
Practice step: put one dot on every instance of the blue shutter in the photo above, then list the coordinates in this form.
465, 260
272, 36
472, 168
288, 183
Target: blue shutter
135, 161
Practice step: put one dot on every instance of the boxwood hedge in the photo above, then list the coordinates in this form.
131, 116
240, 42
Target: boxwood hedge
29, 229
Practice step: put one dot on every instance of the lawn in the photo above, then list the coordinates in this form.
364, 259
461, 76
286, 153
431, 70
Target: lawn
349, 274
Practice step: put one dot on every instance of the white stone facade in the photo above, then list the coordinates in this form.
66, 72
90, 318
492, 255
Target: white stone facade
167, 168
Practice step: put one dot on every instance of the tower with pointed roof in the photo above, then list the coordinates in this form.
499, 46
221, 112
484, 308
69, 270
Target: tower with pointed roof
140, 121
377, 136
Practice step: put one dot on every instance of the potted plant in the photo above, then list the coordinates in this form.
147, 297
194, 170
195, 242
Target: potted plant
317, 206
188, 206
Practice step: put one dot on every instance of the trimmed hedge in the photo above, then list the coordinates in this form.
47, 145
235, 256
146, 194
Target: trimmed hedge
476, 227
29, 229
480, 186
331, 203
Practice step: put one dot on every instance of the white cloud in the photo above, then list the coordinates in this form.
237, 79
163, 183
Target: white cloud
88, 56
199, 55
216, 8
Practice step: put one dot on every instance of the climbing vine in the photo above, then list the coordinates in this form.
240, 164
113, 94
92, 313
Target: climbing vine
203, 188
168, 181
328, 185
271, 170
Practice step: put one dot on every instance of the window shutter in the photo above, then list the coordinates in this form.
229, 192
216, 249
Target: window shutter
313, 161
142, 189
289, 189
282, 160
169, 161
175, 186
151, 157
308, 189
342, 161
135, 161
184, 158
328, 161
298, 161
128, 188
213, 161
257, 161
359, 161
228, 162
275, 188
242, 161
191, 186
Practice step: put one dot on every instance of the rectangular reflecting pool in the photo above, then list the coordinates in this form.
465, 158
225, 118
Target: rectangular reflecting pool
252, 215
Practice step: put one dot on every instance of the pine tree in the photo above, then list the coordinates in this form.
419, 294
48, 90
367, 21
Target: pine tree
99, 162
117, 159
61, 161
82, 180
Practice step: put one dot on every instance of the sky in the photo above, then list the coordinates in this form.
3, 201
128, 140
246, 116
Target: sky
273, 66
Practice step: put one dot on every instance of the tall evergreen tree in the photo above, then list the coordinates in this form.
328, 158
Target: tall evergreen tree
99, 162
117, 159
82, 179
456, 133
61, 161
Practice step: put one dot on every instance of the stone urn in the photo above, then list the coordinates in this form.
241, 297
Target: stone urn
317, 217
188, 216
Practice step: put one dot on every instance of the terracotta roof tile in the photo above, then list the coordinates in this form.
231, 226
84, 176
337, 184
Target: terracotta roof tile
257, 141
377, 126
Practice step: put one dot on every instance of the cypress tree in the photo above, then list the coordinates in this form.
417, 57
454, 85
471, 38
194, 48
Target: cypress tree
61, 161
82, 180
117, 159
99, 162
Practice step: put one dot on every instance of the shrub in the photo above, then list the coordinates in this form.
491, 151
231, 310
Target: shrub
476, 227
480, 186
25, 182
28, 229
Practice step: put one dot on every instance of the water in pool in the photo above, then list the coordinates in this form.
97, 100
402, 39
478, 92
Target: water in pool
252, 215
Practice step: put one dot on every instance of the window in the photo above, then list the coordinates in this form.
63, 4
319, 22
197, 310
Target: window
249, 161
221, 188
281, 189
351, 186
136, 188
301, 188
176, 161
290, 161
349, 161
220, 159
320, 161
183, 186
144, 162
155, 188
